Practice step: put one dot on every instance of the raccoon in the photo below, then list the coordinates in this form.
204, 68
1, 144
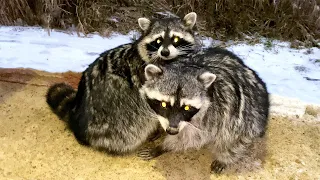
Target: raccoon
107, 112
209, 99
168, 38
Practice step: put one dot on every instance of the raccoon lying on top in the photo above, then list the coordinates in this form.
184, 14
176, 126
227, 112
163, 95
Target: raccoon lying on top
107, 111
212, 99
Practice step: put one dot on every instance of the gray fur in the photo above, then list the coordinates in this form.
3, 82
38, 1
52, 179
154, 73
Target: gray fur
107, 112
233, 103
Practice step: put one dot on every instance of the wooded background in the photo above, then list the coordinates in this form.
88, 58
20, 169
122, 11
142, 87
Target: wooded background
291, 20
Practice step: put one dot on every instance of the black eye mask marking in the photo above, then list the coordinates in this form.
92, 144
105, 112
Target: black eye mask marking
188, 114
155, 45
167, 110
179, 42
159, 107
176, 41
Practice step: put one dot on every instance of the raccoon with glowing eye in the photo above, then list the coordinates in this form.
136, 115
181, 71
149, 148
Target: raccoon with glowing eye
210, 99
106, 111
169, 38
174, 111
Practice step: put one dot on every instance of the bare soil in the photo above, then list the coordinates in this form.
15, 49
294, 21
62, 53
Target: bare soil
34, 144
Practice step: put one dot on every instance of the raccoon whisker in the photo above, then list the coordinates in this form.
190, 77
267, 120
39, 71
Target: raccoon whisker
196, 127
183, 49
191, 47
153, 46
153, 56
186, 49
151, 53
155, 59
186, 46
183, 53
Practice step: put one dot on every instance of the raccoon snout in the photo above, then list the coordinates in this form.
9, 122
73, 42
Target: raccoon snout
165, 52
172, 130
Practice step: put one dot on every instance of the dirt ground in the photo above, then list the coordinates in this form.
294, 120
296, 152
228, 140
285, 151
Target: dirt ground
34, 144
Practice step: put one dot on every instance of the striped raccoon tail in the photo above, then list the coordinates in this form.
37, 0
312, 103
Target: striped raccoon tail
60, 97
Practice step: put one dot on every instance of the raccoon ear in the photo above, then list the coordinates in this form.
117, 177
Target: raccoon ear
144, 23
190, 20
152, 71
207, 78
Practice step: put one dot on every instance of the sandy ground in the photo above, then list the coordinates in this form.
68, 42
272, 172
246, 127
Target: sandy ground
34, 144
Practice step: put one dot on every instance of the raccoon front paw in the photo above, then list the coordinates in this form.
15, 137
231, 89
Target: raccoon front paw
149, 153
154, 136
217, 167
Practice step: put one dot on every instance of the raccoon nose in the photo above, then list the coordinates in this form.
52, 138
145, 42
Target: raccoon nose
172, 130
165, 52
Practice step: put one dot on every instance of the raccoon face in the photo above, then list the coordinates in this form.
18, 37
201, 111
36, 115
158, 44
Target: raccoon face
166, 38
174, 97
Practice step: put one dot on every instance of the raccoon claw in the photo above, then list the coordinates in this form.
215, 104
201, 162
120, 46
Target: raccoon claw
148, 153
156, 135
217, 167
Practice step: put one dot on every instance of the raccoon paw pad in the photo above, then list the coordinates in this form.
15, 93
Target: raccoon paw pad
217, 167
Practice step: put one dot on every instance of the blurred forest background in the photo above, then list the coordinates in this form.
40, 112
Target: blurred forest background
296, 21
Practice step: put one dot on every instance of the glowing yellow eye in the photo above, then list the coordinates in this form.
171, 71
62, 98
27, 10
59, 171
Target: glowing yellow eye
176, 39
158, 41
187, 108
164, 104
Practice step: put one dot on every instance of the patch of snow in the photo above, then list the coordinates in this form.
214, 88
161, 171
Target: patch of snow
287, 72
207, 41
32, 47
287, 106
114, 19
